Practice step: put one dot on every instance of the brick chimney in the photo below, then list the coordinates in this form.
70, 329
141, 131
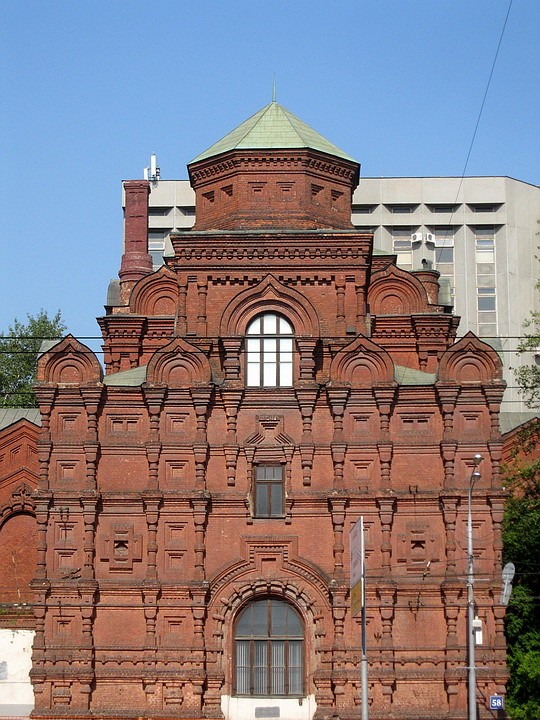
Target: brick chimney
136, 262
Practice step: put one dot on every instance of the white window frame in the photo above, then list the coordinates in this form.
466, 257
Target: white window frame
269, 351
403, 236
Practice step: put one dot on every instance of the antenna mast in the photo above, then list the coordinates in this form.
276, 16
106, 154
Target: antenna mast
152, 173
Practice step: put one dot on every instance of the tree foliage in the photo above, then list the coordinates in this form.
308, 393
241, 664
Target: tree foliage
528, 376
19, 350
521, 537
522, 623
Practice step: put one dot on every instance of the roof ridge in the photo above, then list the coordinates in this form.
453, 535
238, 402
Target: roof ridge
261, 113
288, 115
279, 128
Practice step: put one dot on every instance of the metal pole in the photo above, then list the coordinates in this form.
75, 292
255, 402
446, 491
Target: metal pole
364, 666
470, 595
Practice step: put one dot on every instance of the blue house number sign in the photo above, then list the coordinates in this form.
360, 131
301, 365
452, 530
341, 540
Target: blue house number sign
496, 702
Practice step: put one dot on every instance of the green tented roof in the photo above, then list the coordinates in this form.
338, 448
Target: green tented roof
273, 127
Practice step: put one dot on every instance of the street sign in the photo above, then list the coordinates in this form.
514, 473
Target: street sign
496, 702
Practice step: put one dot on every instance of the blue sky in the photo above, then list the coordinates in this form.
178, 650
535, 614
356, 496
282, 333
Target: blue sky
90, 89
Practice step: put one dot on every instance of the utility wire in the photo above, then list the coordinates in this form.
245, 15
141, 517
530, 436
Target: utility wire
480, 112
214, 337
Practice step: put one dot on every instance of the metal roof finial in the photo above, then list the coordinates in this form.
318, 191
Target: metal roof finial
274, 89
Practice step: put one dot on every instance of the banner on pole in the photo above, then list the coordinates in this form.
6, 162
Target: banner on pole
356, 599
356, 542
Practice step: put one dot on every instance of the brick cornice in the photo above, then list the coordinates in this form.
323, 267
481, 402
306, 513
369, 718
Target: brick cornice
321, 246
272, 161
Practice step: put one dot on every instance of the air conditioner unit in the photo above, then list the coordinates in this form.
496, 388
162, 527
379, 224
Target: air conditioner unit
416, 237
430, 238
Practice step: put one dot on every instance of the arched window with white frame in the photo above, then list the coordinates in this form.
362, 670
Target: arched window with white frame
269, 650
269, 351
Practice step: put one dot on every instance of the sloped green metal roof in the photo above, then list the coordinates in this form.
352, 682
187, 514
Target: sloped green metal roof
408, 376
271, 128
511, 420
127, 378
46, 345
9, 416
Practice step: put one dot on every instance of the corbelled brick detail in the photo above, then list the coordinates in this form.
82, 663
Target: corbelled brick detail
283, 189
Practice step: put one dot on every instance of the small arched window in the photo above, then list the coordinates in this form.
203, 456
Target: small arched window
269, 346
269, 650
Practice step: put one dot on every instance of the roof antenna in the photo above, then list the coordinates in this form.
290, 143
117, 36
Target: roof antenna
152, 173
274, 89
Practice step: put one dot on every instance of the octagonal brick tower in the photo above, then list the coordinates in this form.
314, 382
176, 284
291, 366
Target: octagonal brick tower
273, 171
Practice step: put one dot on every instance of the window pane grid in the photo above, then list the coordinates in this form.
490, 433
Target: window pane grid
277, 668
402, 245
269, 663
242, 667
286, 374
269, 359
260, 668
269, 491
486, 231
485, 280
444, 255
270, 374
295, 668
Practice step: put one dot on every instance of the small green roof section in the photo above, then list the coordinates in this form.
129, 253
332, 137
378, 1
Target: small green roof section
127, 378
9, 416
509, 421
408, 376
273, 128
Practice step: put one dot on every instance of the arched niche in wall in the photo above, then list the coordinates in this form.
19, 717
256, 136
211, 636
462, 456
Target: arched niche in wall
270, 568
270, 296
18, 546
69, 362
470, 361
179, 364
361, 364
395, 292
155, 294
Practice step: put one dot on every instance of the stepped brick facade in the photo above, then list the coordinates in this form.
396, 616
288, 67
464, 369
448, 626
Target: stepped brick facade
270, 385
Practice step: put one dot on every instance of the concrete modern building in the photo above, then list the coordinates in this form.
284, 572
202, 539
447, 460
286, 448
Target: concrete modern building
480, 233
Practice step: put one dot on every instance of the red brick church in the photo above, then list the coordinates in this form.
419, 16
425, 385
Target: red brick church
274, 382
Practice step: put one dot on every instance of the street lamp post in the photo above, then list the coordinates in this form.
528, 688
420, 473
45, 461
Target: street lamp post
475, 475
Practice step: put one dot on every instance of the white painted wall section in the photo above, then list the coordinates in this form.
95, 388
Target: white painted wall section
16, 692
266, 708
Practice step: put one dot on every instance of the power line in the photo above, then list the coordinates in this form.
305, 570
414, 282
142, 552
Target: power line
482, 106
214, 337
